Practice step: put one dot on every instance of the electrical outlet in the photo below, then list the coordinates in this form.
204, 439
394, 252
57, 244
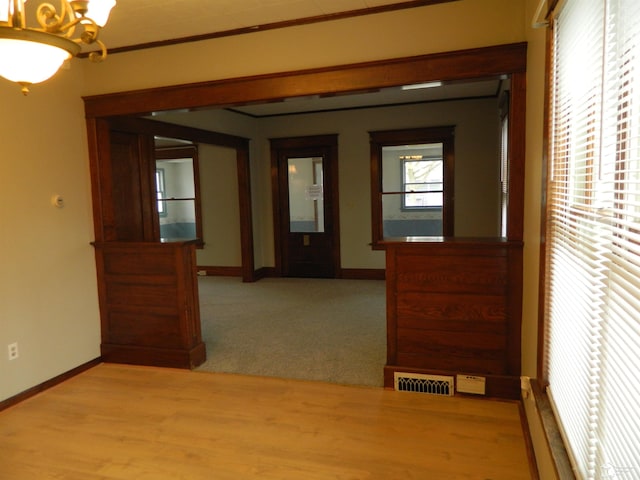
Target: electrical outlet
525, 386
13, 351
471, 384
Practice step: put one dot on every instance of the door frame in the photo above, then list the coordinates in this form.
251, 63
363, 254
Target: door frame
332, 208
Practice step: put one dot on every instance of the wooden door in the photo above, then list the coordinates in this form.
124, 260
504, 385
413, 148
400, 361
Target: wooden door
306, 206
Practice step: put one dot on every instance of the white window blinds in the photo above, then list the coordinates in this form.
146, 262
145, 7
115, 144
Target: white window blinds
592, 305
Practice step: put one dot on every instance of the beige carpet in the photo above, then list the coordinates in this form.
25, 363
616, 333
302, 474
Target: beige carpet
311, 329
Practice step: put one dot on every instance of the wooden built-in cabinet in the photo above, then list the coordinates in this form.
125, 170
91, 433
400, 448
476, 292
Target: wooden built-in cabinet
148, 294
454, 307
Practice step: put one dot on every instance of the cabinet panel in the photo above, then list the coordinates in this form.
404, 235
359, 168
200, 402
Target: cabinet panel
130, 327
446, 312
460, 352
125, 263
455, 308
149, 304
485, 274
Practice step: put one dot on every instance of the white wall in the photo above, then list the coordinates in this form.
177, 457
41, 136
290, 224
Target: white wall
220, 207
48, 298
178, 178
476, 139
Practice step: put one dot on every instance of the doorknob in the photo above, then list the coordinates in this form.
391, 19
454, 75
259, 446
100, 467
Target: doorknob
306, 240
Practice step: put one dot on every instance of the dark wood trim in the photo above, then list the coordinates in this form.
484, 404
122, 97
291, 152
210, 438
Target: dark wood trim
276, 25
275, 205
52, 382
551, 6
243, 165
171, 130
517, 153
151, 223
99, 155
124, 183
169, 153
265, 272
159, 357
335, 206
391, 316
555, 443
455, 65
514, 308
531, 453
375, 187
363, 273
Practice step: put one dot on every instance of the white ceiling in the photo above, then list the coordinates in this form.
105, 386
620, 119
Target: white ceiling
387, 96
134, 22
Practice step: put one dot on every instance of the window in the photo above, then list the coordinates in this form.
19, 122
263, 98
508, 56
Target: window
411, 183
161, 192
422, 182
592, 271
177, 187
504, 163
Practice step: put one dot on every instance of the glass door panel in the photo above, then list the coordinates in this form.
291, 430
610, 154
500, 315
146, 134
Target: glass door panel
306, 195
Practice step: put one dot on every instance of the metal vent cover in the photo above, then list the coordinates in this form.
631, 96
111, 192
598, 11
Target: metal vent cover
421, 383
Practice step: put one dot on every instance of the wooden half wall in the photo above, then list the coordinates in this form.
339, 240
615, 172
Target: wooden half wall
454, 308
148, 297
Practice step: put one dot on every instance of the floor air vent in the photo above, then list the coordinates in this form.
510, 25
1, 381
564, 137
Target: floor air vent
417, 382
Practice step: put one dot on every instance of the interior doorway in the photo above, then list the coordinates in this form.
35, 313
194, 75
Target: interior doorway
306, 212
454, 67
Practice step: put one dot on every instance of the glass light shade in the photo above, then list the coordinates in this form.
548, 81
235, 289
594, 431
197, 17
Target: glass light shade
99, 10
4, 10
7, 9
29, 61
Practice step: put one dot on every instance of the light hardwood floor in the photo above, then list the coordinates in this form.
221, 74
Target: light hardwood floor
145, 423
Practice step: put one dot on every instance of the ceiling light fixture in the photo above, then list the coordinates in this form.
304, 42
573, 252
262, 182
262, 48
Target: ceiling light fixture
418, 86
30, 54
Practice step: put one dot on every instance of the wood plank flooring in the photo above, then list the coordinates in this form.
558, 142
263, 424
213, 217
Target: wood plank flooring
125, 422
